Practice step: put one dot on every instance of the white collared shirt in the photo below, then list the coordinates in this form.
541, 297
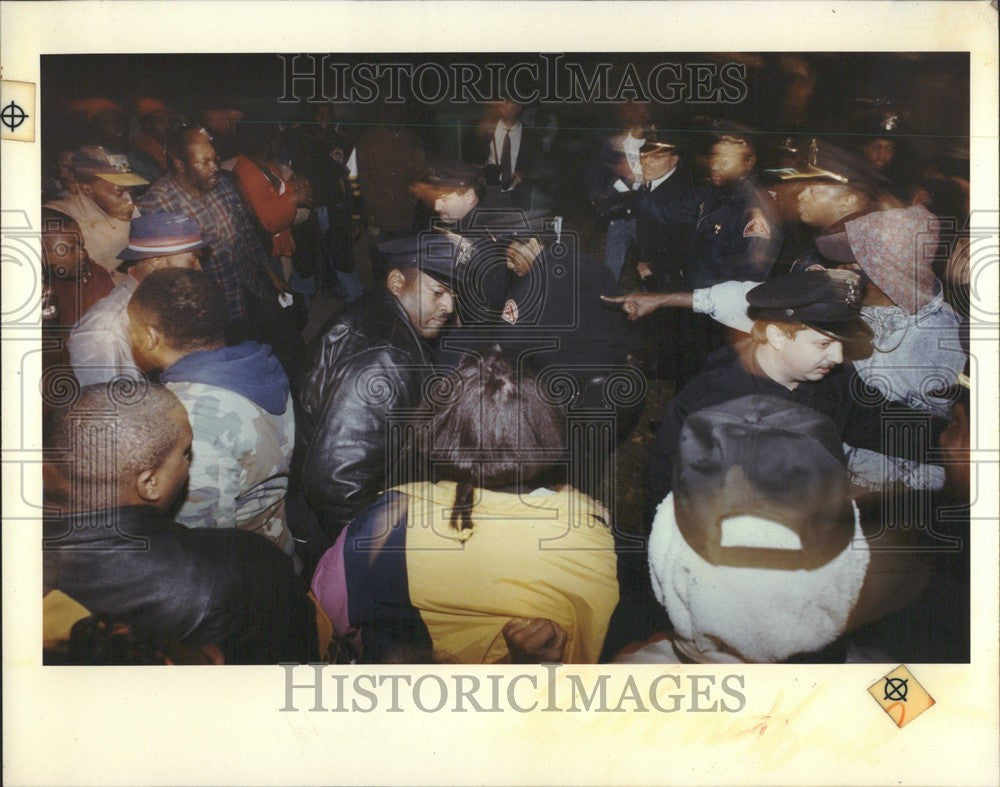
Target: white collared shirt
496, 148
654, 183
631, 147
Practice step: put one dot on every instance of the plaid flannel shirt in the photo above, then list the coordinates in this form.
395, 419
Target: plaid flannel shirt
235, 256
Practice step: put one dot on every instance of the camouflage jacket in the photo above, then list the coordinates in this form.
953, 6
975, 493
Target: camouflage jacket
239, 467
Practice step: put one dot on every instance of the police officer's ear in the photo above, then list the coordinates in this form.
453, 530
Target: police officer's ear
395, 282
775, 336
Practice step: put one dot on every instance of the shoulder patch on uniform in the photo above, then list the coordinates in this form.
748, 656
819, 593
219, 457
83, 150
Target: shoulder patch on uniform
757, 227
510, 313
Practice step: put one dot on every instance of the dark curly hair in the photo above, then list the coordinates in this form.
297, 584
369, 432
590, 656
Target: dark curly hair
184, 305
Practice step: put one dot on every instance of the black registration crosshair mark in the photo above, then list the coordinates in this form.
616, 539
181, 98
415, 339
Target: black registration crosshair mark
895, 689
901, 695
13, 115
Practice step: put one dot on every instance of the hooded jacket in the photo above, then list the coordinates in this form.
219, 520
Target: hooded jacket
244, 431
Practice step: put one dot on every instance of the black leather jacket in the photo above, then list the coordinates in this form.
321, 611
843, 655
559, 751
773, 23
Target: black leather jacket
366, 364
195, 586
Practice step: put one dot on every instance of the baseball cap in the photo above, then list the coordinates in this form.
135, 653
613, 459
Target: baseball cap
95, 161
768, 458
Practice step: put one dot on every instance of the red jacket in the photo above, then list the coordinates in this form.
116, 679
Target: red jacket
274, 208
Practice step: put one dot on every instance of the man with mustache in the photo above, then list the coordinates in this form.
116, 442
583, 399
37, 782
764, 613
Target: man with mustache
370, 360
236, 262
802, 323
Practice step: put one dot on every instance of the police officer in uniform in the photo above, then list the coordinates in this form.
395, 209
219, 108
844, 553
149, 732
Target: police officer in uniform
553, 321
553, 313
452, 190
839, 186
663, 214
735, 235
882, 144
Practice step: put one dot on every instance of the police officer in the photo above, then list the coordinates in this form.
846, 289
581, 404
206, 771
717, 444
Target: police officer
839, 186
881, 133
552, 307
735, 235
663, 226
663, 214
453, 190
552, 319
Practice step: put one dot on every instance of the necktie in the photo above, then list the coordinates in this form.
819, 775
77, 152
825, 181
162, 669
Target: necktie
505, 174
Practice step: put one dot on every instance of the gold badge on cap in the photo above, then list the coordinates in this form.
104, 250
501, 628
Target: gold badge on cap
853, 296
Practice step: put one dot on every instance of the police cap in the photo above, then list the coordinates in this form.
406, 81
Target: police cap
435, 254
831, 164
828, 301
450, 175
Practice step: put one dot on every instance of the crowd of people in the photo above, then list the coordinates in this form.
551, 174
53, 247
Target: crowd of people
428, 476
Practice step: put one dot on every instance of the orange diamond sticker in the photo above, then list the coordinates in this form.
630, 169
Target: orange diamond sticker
901, 696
